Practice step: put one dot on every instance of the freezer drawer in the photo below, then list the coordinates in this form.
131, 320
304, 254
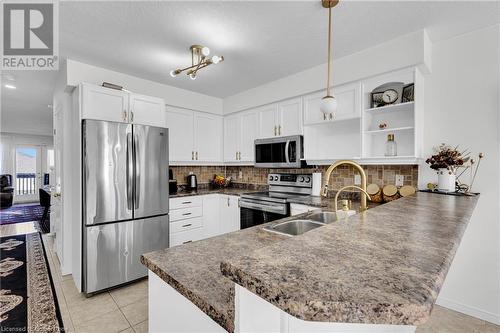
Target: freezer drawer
112, 251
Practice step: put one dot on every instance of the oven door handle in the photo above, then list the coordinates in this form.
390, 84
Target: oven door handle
263, 207
287, 147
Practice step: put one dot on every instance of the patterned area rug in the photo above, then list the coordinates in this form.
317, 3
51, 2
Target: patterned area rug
25, 213
27, 298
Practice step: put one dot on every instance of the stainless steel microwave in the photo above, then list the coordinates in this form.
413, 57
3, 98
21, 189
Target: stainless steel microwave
281, 152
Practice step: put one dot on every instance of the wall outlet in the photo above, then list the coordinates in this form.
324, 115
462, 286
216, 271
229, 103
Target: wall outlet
400, 180
240, 175
357, 180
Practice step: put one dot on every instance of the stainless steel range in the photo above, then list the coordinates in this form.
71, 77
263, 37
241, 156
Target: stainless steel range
262, 207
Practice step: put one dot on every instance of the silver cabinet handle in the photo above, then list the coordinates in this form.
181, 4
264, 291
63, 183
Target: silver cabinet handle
187, 225
189, 241
324, 116
192, 155
275, 130
131, 116
186, 214
196, 154
279, 130
124, 115
331, 116
228, 201
186, 202
236, 155
239, 155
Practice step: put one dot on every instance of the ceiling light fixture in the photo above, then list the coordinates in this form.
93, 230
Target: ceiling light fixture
199, 60
329, 103
10, 86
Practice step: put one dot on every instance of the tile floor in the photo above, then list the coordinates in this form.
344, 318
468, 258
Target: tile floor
126, 309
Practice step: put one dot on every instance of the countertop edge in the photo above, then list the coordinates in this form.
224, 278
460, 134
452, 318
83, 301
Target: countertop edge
203, 305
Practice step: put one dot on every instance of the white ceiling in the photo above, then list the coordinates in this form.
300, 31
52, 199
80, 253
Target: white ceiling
261, 40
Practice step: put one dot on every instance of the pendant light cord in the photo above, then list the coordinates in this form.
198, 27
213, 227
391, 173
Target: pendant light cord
329, 49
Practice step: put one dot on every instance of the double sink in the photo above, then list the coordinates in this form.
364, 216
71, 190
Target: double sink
303, 225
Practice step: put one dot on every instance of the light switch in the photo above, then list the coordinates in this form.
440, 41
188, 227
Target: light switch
357, 180
400, 180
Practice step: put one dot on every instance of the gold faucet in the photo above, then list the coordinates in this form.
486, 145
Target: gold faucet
363, 194
362, 172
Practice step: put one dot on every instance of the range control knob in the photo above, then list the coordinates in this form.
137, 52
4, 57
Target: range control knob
308, 179
271, 177
276, 178
301, 179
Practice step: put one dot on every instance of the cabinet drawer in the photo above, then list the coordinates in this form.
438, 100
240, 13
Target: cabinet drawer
185, 237
184, 202
185, 213
185, 225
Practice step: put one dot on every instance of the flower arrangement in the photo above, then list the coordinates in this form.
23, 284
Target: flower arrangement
447, 157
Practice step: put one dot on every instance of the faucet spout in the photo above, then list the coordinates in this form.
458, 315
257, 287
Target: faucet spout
361, 171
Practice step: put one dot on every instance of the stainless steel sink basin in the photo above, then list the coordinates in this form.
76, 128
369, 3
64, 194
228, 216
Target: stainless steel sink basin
323, 217
294, 227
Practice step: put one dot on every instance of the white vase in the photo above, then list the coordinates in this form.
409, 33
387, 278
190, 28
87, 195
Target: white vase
446, 180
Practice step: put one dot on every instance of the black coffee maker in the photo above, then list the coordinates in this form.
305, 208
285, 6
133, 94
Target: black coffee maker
192, 183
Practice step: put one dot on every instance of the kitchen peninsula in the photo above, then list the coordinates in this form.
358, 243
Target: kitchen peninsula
382, 268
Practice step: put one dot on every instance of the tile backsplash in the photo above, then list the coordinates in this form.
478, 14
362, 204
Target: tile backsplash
344, 175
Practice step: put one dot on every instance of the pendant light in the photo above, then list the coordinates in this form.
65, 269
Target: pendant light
328, 103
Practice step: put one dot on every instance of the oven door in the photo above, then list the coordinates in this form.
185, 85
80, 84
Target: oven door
255, 212
282, 152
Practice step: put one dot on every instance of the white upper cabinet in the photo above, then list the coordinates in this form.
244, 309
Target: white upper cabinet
120, 106
267, 121
280, 119
240, 132
180, 134
146, 110
208, 137
194, 137
104, 104
232, 129
348, 105
249, 132
290, 117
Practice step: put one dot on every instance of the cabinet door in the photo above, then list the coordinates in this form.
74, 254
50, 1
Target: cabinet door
348, 101
230, 213
146, 110
249, 132
267, 121
211, 215
101, 103
208, 137
290, 117
180, 134
312, 113
231, 138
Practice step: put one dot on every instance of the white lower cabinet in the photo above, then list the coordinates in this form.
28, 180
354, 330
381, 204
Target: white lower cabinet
296, 209
198, 217
230, 213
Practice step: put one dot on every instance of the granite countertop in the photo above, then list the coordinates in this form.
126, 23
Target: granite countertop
384, 266
193, 269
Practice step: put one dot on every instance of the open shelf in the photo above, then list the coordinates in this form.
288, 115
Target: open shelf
392, 108
397, 129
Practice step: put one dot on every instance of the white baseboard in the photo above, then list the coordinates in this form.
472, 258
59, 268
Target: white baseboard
469, 310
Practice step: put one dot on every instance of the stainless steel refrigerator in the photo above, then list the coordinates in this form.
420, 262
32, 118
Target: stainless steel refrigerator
125, 200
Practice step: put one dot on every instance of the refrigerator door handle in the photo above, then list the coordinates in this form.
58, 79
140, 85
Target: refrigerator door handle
137, 184
129, 166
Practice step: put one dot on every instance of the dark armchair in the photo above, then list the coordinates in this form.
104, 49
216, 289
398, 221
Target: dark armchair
6, 191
